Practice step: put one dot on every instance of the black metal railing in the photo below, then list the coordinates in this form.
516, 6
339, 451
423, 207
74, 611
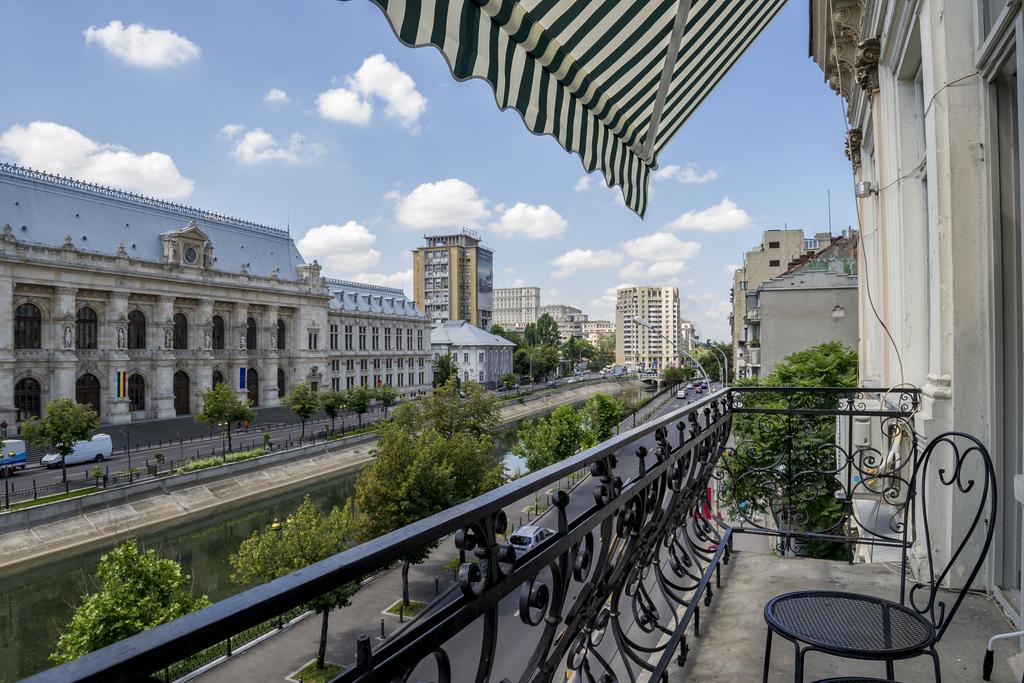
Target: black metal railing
637, 551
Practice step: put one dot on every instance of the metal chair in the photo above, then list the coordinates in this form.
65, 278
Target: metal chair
865, 627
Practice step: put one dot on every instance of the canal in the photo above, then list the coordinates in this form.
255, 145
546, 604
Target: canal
38, 601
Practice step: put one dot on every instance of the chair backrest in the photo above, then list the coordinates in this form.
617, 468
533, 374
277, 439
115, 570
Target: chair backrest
960, 463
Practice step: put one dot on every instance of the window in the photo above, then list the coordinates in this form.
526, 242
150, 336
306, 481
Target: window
28, 327
334, 337
465, 359
87, 391
28, 396
250, 334
481, 380
408, 338
398, 339
281, 334
375, 340
401, 380
350, 365
376, 363
348, 337
335, 365
774, 263
387, 379
363, 381
465, 376
387, 363
137, 330
314, 340
335, 383
480, 357
362, 364
773, 245
218, 333
350, 382
421, 377
401, 362
362, 338
86, 328
218, 378
280, 383
387, 338
180, 331
136, 393
419, 340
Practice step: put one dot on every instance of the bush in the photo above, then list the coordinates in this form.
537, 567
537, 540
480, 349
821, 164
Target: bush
204, 463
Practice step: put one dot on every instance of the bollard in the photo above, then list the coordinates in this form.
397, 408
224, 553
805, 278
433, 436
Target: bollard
34, 496
363, 652
401, 613
382, 629
437, 590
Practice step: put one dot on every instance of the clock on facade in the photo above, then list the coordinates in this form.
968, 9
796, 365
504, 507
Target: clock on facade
191, 255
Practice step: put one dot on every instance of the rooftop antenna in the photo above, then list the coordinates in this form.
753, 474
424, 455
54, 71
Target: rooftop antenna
828, 199
288, 222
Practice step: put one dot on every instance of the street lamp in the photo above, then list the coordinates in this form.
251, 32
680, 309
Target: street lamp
128, 449
637, 320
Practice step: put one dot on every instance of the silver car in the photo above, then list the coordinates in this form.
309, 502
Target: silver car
526, 538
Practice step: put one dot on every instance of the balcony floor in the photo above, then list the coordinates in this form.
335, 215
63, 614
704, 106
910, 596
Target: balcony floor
731, 647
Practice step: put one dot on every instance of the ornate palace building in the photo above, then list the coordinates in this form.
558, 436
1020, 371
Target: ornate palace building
136, 305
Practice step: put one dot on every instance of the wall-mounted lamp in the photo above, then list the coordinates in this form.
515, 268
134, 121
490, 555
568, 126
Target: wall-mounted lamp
864, 189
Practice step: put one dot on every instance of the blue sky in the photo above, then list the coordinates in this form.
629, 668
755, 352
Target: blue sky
370, 144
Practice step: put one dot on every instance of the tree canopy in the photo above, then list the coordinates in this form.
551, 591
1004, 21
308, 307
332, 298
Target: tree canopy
387, 396
222, 407
358, 399
549, 440
333, 402
601, 416
446, 411
65, 424
445, 368
304, 402
546, 331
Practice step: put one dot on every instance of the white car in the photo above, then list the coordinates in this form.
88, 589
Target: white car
94, 450
526, 538
681, 393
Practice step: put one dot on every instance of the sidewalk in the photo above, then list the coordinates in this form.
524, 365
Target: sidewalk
276, 657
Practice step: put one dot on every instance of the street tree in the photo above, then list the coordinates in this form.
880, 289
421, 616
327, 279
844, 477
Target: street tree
358, 399
222, 408
65, 424
549, 440
334, 402
444, 369
601, 415
387, 397
446, 411
514, 337
535, 361
604, 353
304, 402
547, 331
134, 592
575, 350
509, 379
305, 537
675, 376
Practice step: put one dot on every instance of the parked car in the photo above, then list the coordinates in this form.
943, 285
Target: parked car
13, 455
550, 384
94, 450
526, 538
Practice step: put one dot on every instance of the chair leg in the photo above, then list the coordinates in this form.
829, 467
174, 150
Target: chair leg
798, 674
938, 669
890, 670
767, 655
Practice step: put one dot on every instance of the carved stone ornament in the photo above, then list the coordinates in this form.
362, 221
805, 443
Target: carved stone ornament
854, 138
241, 340
841, 69
69, 243
868, 52
167, 339
121, 251
207, 343
69, 337
121, 338
8, 235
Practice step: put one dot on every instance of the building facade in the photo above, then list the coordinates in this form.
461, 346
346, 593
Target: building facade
637, 347
453, 279
480, 356
516, 307
569, 318
593, 330
376, 336
933, 137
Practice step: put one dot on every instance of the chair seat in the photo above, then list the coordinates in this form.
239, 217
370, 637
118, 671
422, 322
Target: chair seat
848, 623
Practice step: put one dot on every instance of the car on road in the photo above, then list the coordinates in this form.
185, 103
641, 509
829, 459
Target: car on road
93, 450
550, 384
12, 456
681, 393
526, 538
699, 388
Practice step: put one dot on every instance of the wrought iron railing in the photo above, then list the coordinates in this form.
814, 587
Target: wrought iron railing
636, 553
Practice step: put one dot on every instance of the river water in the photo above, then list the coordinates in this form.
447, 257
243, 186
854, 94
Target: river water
38, 601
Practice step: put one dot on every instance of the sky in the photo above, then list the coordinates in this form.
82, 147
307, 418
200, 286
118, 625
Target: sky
312, 116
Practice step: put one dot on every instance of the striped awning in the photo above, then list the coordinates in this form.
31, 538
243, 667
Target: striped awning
611, 80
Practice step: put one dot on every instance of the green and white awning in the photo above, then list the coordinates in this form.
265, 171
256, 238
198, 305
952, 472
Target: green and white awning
600, 76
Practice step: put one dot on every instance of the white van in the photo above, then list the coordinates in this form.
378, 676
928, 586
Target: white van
94, 450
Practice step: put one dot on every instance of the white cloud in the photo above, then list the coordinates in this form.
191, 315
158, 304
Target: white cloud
637, 270
688, 174
508, 269
145, 47
714, 322
718, 218
578, 259
603, 307
392, 195
341, 104
52, 147
341, 249
276, 96
731, 268
257, 146
230, 130
532, 222
447, 203
376, 77
657, 256
583, 184
401, 279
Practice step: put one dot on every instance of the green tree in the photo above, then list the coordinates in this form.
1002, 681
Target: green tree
535, 361
333, 402
387, 396
222, 407
575, 350
547, 331
632, 400
305, 537
509, 379
601, 415
65, 424
514, 337
358, 400
135, 591
551, 439
304, 402
805, 447
444, 369
446, 411
712, 360
674, 376
604, 353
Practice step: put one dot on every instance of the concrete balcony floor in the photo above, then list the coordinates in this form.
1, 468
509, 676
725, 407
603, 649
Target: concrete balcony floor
731, 646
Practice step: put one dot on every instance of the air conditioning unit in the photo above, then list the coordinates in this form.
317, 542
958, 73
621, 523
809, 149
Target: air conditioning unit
881, 461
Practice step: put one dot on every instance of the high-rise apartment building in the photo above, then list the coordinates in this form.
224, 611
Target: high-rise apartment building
515, 307
640, 348
453, 278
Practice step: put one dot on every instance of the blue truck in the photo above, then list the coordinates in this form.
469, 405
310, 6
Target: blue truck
12, 457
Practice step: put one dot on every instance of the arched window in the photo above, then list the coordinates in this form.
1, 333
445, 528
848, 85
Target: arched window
218, 378
280, 383
182, 388
280, 335
136, 392
86, 328
252, 384
28, 327
136, 330
180, 331
481, 380
28, 398
87, 391
218, 332
250, 334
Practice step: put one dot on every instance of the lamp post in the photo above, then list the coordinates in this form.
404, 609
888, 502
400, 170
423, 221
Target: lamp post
637, 320
126, 430
724, 369
278, 529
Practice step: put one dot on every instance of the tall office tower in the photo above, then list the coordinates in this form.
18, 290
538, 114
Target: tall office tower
453, 278
640, 348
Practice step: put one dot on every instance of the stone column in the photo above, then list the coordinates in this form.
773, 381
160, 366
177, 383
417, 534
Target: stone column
204, 335
268, 384
63, 336
163, 383
235, 336
117, 411
7, 411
